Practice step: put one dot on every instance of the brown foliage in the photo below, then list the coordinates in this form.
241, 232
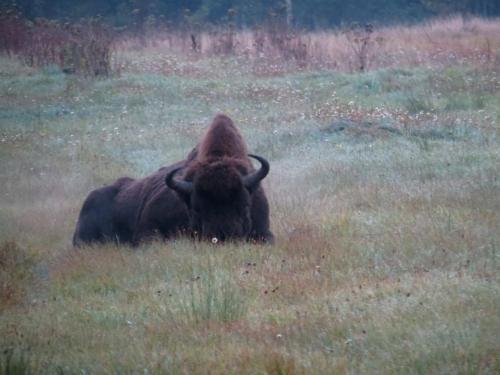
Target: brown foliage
13, 33
84, 48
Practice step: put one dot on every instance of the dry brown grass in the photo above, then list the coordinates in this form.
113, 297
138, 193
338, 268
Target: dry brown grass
15, 274
435, 43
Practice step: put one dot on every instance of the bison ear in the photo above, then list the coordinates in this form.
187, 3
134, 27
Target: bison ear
252, 180
185, 188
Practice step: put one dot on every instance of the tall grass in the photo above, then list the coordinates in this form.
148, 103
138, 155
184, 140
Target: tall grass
16, 273
438, 42
13, 362
212, 296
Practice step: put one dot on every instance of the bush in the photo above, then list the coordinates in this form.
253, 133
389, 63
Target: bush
13, 33
84, 48
362, 44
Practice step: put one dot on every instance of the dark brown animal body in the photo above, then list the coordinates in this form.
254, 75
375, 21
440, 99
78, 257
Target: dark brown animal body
218, 196
129, 211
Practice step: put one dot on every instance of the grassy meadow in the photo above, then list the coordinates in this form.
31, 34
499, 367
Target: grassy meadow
385, 203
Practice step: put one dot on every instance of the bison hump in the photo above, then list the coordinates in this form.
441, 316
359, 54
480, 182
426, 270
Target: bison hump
222, 139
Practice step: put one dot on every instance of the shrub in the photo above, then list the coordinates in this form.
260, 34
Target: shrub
13, 33
361, 42
83, 48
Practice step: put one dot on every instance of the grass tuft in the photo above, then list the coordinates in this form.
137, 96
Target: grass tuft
14, 362
212, 296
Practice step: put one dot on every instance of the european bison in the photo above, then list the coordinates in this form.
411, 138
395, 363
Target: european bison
219, 196
222, 189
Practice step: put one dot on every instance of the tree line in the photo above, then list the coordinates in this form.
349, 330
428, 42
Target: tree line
310, 14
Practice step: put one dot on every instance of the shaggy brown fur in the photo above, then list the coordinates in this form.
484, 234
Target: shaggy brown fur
130, 211
222, 139
220, 205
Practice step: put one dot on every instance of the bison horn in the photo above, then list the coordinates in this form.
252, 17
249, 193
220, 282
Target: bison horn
183, 187
250, 181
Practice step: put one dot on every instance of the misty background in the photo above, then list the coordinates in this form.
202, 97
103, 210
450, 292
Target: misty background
311, 15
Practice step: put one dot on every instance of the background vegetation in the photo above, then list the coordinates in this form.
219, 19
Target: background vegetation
313, 14
384, 195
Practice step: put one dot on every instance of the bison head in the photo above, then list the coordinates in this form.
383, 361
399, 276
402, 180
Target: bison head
218, 194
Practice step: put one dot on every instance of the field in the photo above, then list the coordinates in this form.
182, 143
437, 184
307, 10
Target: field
385, 203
